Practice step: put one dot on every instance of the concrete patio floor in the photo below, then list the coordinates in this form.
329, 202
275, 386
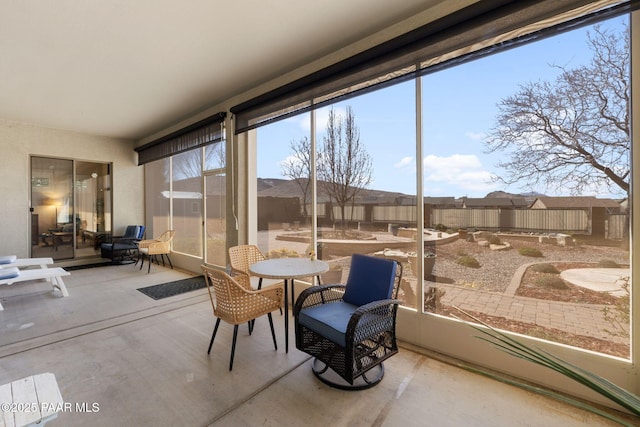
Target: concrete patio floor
144, 362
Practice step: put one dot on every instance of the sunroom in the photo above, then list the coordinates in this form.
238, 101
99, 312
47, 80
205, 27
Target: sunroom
431, 139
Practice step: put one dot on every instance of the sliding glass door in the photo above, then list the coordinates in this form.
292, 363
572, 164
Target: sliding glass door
70, 207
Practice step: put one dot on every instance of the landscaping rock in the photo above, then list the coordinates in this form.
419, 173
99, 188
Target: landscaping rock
482, 235
546, 240
502, 247
565, 240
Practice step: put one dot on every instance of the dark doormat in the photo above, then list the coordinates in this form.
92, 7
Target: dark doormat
85, 266
170, 289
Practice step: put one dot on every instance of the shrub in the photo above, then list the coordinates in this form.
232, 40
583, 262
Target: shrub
552, 282
608, 263
545, 268
495, 240
441, 227
468, 261
282, 253
529, 251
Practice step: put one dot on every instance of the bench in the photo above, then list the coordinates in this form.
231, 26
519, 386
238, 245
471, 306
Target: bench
30, 401
54, 275
28, 262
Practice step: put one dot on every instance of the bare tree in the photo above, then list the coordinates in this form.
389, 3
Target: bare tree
572, 133
344, 166
189, 163
297, 167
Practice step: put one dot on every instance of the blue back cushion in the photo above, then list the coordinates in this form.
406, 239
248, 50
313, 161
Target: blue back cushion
370, 279
141, 229
131, 231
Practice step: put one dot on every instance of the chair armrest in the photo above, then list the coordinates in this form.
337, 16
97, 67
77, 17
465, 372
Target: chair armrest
372, 319
317, 295
235, 272
124, 240
274, 293
145, 243
157, 247
243, 281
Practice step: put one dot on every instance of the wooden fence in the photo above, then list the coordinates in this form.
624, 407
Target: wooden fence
570, 221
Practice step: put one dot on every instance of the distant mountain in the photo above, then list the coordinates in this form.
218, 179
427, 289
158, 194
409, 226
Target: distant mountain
275, 187
503, 194
266, 183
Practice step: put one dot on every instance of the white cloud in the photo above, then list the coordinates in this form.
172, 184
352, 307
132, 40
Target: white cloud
405, 162
322, 115
288, 160
476, 136
463, 171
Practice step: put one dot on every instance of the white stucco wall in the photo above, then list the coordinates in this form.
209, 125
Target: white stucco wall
18, 141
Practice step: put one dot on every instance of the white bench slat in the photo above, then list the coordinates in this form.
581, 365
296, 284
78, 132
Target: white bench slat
36, 274
29, 262
52, 274
24, 394
6, 396
49, 396
31, 394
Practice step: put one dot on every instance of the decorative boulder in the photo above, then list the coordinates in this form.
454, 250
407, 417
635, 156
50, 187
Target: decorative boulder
565, 240
502, 247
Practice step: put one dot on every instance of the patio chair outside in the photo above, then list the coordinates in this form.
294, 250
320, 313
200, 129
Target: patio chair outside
234, 302
351, 328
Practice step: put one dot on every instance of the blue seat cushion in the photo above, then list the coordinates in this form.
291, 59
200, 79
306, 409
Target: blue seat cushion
329, 320
9, 273
370, 279
7, 259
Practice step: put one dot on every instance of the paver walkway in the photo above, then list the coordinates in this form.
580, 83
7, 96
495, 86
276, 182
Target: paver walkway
581, 319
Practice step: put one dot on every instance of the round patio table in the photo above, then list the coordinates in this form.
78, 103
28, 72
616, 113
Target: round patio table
288, 269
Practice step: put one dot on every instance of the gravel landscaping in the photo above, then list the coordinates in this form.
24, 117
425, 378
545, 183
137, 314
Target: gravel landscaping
497, 268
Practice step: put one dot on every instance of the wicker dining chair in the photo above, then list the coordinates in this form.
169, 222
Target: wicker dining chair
234, 302
351, 328
150, 249
242, 256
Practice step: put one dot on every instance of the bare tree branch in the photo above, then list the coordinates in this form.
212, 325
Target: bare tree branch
572, 133
344, 166
297, 167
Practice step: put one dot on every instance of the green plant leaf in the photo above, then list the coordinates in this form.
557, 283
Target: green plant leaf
515, 348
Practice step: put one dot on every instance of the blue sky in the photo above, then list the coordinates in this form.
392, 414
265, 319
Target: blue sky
459, 107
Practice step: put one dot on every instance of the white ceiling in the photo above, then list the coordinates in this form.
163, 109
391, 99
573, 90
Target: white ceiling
129, 68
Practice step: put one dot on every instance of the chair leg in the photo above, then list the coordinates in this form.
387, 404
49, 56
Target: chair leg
213, 336
169, 259
141, 261
273, 332
149, 264
233, 346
